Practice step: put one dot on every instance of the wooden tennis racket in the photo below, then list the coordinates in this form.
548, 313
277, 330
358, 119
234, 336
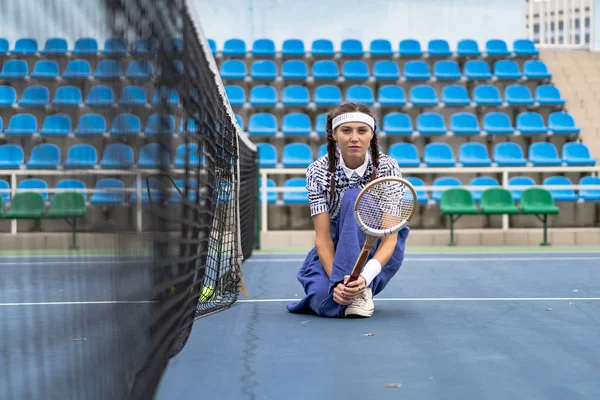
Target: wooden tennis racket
383, 207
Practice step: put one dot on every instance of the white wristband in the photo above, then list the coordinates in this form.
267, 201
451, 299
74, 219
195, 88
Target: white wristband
371, 270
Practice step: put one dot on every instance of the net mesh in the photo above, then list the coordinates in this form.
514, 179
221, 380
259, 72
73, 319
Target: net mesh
97, 297
385, 205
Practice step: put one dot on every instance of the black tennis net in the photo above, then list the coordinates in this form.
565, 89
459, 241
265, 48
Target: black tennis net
101, 285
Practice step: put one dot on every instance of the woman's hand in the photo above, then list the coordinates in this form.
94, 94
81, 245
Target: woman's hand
343, 293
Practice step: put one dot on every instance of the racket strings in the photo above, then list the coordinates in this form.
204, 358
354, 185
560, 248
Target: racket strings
385, 205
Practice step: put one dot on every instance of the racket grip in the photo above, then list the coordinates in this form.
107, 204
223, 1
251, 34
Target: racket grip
360, 263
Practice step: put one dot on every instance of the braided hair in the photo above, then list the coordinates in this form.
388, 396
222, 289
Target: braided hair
331, 143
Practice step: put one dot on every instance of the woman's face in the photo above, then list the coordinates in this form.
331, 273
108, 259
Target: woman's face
353, 138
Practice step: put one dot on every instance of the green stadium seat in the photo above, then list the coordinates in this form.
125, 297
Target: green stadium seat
456, 202
68, 205
497, 201
26, 205
538, 201
1, 207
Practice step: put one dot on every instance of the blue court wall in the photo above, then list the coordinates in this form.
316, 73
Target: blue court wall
423, 20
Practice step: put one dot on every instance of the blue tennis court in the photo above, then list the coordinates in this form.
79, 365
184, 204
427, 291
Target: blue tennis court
451, 326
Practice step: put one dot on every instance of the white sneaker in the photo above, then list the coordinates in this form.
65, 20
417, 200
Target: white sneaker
361, 306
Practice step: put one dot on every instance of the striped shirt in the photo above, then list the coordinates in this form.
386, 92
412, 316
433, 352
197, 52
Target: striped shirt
318, 179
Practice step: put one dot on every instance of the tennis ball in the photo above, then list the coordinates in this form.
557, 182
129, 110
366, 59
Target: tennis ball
207, 293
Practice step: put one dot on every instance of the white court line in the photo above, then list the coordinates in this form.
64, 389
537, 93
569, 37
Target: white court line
432, 259
471, 299
71, 303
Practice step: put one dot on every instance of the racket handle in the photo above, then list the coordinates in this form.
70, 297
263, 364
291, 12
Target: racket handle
360, 263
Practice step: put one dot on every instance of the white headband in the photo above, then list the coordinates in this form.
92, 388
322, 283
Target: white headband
353, 117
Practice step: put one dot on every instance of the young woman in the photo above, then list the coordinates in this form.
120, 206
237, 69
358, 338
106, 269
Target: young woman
333, 182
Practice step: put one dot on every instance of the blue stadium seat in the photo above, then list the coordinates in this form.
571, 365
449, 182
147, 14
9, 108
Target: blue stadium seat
293, 48
577, 153
438, 154
327, 95
381, 48
67, 96
108, 69
496, 47
295, 95
22, 125
8, 96
111, 192
126, 124
548, 95
296, 155
100, 96
518, 95
474, 154
56, 125
566, 194
271, 195
322, 48
447, 181
44, 156
90, 125
294, 69
234, 48
38, 185
263, 47
531, 123
77, 69
320, 124
405, 154
35, 96
55, 47
507, 69
487, 181
455, 96
144, 47
11, 156
233, 69
524, 47
351, 48
519, 181
133, 96
263, 69
391, 96
71, 185
81, 156
45, 69
477, 70
25, 46
431, 123
4, 46
397, 123
3, 186
14, 69
589, 194
446, 70
423, 96
416, 70
322, 150
497, 123
438, 48
150, 156
165, 95
467, 48
85, 46
139, 70
296, 124
295, 197
191, 126
355, 70
360, 94
464, 123
509, 154
174, 46
487, 95
114, 47
263, 96
160, 124
264, 124
544, 154
191, 151
1, 125
536, 69
561, 122
117, 156
236, 95
422, 197
325, 70
410, 48
386, 70
267, 155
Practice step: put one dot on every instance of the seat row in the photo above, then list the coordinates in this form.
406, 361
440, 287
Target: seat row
394, 96
77, 69
438, 154
85, 156
385, 70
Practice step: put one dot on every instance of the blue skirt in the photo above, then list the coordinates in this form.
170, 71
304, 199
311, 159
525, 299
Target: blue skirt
348, 240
